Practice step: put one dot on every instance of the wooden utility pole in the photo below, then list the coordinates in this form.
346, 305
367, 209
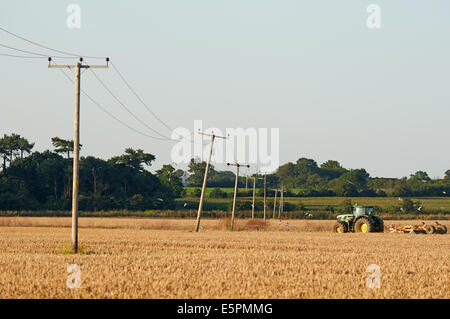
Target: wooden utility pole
280, 210
274, 204
280, 206
235, 190
265, 182
246, 184
202, 195
254, 192
76, 141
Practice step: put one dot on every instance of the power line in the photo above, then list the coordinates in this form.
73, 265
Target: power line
122, 122
37, 54
115, 68
139, 98
23, 51
107, 112
146, 105
137, 118
119, 120
93, 57
125, 107
46, 47
22, 56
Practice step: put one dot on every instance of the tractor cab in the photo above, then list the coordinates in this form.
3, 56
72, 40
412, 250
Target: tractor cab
359, 210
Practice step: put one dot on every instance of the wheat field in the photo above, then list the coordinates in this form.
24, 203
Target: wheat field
141, 258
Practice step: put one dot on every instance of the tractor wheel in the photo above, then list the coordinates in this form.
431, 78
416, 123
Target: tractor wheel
379, 224
340, 227
430, 229
441, 229
365, 225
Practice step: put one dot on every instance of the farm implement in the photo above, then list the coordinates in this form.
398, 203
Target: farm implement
420, 229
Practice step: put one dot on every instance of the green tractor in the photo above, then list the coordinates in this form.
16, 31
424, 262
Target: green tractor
362, 220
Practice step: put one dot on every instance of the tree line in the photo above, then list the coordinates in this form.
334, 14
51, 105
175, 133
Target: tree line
331, 179
32, 180
43, 180
305, 178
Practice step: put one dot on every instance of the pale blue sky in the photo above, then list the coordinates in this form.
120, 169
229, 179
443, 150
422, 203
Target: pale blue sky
377, 99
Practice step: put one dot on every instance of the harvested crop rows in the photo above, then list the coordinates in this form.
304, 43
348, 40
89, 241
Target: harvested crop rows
140, 262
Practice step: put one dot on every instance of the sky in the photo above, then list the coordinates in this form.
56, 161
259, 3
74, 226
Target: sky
369, 98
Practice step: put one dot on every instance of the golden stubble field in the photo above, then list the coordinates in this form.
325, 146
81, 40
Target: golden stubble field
144, 258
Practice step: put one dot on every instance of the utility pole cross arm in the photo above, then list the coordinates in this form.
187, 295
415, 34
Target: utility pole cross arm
212, 134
